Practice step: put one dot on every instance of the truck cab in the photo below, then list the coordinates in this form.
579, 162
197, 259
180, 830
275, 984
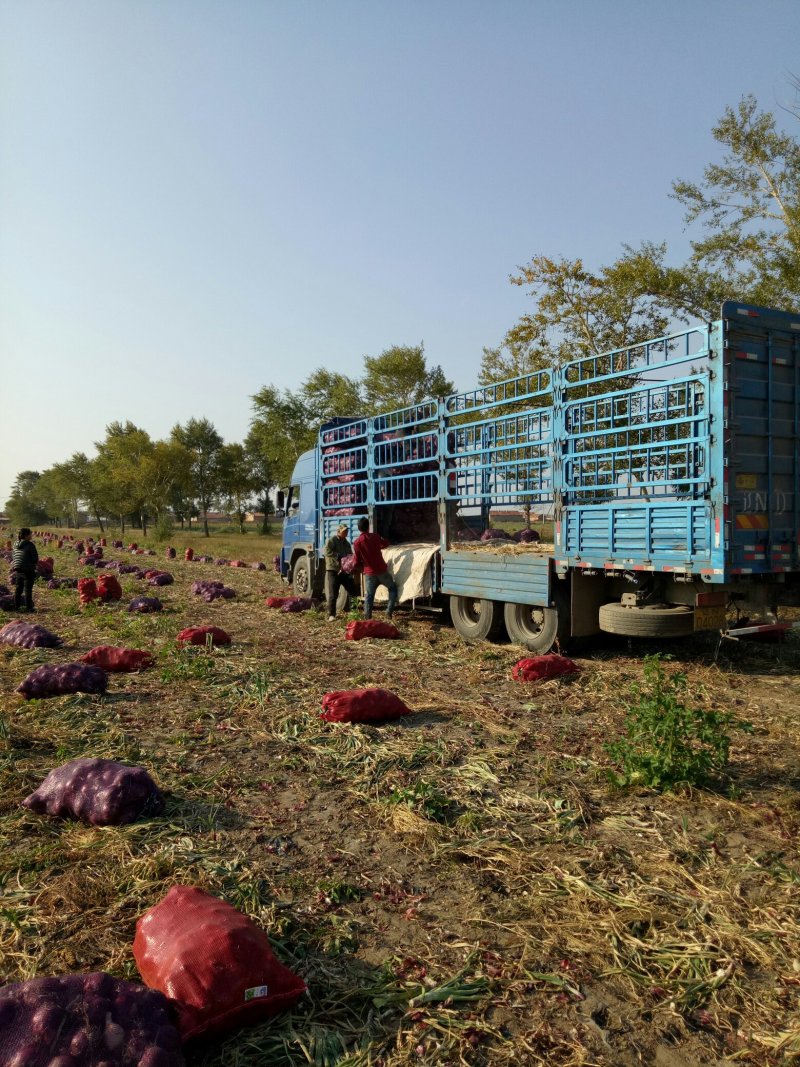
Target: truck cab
299, 558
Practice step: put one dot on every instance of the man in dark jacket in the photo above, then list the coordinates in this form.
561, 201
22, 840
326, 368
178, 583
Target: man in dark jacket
24, 558
336, 548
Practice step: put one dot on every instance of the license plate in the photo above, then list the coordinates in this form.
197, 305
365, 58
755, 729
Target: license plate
710, 618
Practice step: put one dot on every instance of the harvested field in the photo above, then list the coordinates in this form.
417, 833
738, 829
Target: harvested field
463, 886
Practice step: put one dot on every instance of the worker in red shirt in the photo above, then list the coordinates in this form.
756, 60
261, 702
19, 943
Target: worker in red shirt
367, 550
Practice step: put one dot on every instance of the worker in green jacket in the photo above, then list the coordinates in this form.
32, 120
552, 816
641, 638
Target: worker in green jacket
336, 548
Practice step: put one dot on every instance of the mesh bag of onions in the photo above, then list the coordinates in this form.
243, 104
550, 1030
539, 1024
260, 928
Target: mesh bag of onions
213, 962
360, 628
362, 705
98, 791
28, 635
542, 668
111, 658
59, 679
200, 635
86, 1020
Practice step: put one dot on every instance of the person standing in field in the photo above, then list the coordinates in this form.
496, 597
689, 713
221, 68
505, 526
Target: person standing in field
336, 548
24, 558
367, 550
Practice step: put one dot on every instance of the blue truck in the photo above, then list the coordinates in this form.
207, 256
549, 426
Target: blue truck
668, 472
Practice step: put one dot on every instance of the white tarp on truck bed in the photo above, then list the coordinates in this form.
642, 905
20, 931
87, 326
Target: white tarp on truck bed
410, 567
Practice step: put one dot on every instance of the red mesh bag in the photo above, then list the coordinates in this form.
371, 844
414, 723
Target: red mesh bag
86, 1020
362, 705
237, 563
108, 588
87, 590
541, 668
197, 635
277, 601
171, 553
111, 658
44, 567
189, 554
214, 963
98, 791
355, 631
350, 564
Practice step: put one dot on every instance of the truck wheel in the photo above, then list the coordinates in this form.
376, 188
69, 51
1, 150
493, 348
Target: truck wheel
661, 620
301, 577
536, 628
476, 620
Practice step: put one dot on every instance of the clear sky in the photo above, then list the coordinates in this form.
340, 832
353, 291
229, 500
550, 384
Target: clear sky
201, 197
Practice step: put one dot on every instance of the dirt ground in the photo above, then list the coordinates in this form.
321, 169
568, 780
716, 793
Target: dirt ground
463, 886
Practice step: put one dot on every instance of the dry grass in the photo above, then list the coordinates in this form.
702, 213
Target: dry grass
462, 887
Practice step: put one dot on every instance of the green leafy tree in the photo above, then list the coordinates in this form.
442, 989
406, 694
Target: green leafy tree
23, 506
84, 472
749, 206
327, 394
579, 312
117, 472
203, 442
164, 470
237, 481
58, 494
280, 429
400, 377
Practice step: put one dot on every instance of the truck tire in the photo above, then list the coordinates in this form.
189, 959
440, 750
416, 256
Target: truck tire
301, 577
535, 628
475, 619
661, 620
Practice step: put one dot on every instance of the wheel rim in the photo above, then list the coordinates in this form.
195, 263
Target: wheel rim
472, 610
301, 579
533, 621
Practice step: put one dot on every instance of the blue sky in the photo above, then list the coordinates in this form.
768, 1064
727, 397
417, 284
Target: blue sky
200, 198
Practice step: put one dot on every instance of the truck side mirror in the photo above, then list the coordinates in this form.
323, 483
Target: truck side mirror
280, 498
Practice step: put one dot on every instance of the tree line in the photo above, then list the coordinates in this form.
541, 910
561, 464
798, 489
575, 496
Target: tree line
746, 207
134, 481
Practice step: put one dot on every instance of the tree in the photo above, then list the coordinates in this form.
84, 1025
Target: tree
400, 377
204, 444
59, 494
327, 394
579, 312
280, 430
84, 472
749, 204
23, 506
237, 483
163, 471
117, 472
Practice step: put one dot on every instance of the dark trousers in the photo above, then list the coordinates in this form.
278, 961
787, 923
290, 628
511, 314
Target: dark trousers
24, 582
333, 583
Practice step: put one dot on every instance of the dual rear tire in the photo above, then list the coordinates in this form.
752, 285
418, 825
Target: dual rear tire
535, 628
